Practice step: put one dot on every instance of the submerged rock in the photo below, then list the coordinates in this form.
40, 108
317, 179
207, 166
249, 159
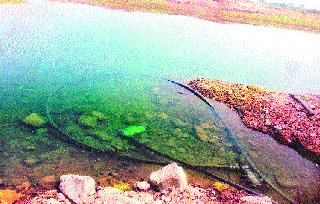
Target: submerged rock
88, 121
170, 176
34, 120
100, 116
80, 189
132, 130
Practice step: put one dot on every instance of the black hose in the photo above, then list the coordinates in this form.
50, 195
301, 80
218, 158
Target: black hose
232, 136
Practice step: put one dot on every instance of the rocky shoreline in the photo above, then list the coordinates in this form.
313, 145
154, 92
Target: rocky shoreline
271, 112
167, 185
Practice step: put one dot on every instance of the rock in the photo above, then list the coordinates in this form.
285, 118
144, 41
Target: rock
88, 121
132, 130
256, 200
80, 189
9, 196
1, 181
170, 176
143, 185
112, 195
34, 120
99, 115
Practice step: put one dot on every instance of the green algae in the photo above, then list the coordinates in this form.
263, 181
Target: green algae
34, 120
88, 121
100, 116
133, 130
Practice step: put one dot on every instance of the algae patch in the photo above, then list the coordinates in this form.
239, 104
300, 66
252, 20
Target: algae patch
132, 130
34, 120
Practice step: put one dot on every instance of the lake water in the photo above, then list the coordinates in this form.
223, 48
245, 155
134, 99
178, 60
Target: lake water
72, 63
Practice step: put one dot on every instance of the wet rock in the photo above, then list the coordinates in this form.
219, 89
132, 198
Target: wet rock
170, 176
80, 189
256, 200
112, 195
34, 120
9, 196
143, 185
50, 197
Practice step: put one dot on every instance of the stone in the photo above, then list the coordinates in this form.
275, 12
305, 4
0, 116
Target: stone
170, 176
80, 189
132, 130
143, 185
256, 200
112, 195
99, 115
9, 196
34, 120
88, 121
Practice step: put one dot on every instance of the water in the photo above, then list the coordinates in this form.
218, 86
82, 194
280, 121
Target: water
56, 61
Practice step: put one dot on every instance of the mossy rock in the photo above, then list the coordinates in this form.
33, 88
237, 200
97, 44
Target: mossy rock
100, 116
132, 130
88, 121
34, 120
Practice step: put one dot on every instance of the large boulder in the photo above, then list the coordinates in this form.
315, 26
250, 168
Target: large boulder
170, 176
80, 189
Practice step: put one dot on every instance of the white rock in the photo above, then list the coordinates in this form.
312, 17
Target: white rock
256, 200
170, 176
111, 195
143, 185
80, 189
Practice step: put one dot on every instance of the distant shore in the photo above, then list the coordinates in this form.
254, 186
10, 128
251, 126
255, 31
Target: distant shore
222, 11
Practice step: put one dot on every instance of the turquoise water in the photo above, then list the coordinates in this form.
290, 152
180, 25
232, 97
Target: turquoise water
51, 41
59, 56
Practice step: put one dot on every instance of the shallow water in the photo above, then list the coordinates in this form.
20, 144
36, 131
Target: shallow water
63, 56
